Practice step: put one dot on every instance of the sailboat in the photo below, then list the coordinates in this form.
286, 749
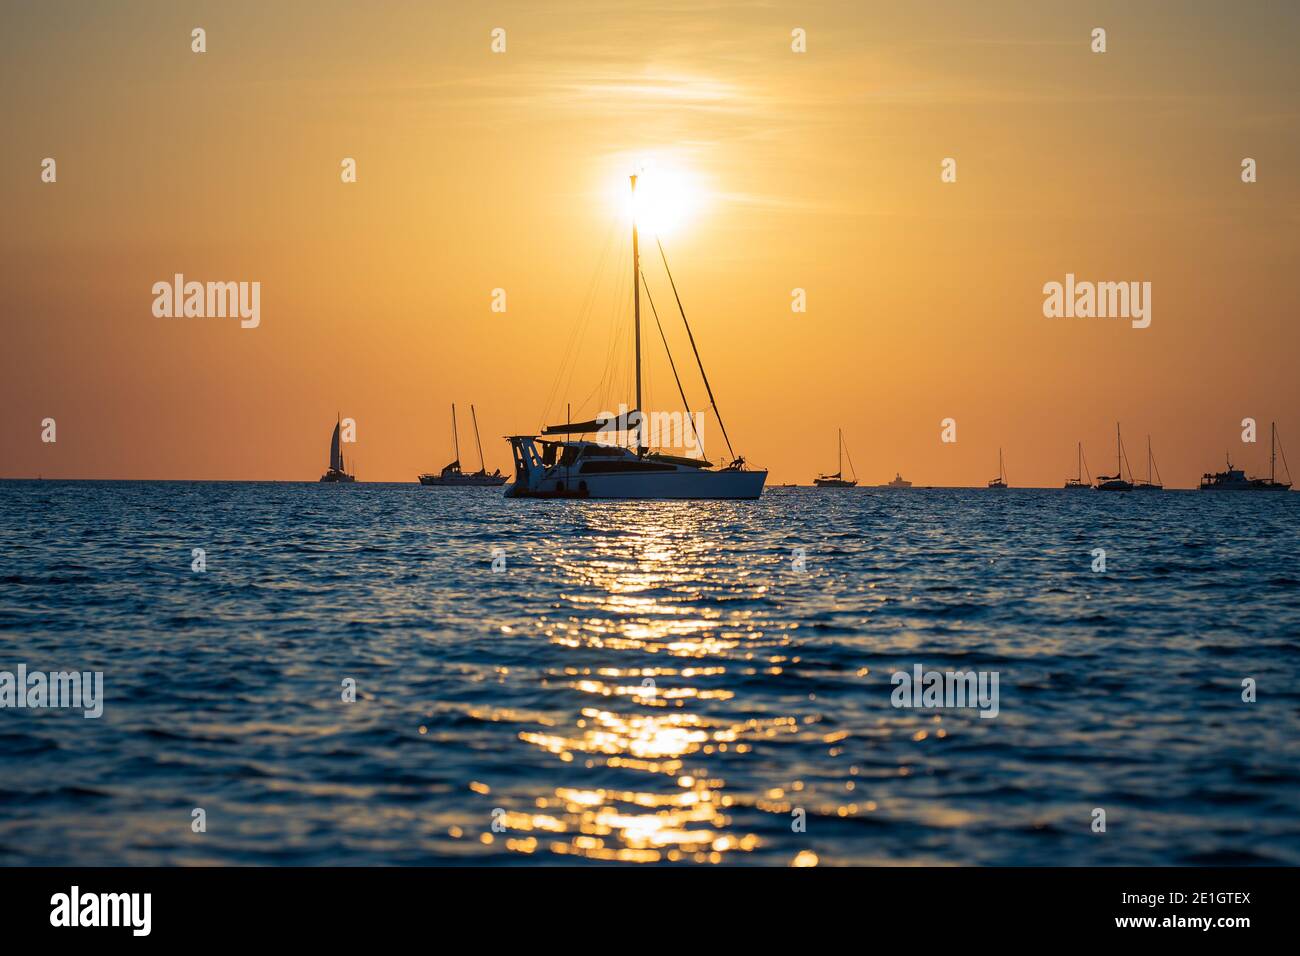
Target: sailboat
452, 475
1234, 479
1116, 481
337, 473
1149, 485
569, 468
1000, 481
1077, 483
838, 480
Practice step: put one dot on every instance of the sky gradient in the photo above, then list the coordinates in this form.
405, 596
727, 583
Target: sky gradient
479, 171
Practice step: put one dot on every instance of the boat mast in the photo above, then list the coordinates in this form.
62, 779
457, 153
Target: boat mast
1148, 459
481, 467
636, 315
455, 439
1119, 464
1272, 454
1079, 478
839, 451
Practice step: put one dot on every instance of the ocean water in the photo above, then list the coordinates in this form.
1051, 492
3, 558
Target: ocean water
648, 681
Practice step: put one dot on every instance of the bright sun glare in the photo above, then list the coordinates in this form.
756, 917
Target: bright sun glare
667, 197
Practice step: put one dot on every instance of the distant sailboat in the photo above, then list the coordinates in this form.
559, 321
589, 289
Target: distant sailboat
1116, 481
1076, 483
838, 480
1234, 479
1000, 481
452, 476
1150, 485
569, 468
337, 473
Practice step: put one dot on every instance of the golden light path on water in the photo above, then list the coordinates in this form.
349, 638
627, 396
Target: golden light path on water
638, 587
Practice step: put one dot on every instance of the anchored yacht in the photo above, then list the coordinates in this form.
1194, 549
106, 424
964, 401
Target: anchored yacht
838, 480
337, 472
1149, 485
1077, 483
1000, 481
608, 468
1234, 479
452, 476
1116, 481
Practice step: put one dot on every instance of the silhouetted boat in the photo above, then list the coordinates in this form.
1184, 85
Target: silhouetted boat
1149, 485
337, 473
1116, 481
605, 469
1077, 483
1000, 481
838, 480
452, 476
898, 482
1235, 480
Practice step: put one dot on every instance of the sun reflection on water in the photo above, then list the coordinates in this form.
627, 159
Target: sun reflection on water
642, 587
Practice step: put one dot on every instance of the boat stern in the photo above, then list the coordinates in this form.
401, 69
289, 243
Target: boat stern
528, 466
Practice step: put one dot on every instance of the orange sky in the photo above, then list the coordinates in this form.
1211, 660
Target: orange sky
480, 171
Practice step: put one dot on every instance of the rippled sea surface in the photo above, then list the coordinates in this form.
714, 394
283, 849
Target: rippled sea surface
648, 681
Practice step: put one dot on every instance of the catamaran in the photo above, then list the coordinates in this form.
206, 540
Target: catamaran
452, 476
1234, 479
1076, 483
838, 480
1000, 481
568, 468
1116, 481
1149, 485
337, 473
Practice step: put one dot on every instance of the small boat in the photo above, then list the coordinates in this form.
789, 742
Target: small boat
1116, 481
568, 468
1234, 479
898, 482
1077, 483
1149, 485
1000, 482
838, 480
452, 476
337, 473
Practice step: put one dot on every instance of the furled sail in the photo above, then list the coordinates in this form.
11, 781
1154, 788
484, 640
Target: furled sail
336, 455
612, 423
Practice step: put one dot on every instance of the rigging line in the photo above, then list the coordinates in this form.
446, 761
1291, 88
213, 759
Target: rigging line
845, 445
605, 383
1124, 454
699, 440
585, 313
580, 327
1283, 453
699, 361
616, 375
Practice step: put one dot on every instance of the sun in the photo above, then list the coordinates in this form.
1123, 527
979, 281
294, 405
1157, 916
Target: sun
668, 197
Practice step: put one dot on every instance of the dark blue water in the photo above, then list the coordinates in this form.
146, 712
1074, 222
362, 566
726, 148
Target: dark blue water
517, 696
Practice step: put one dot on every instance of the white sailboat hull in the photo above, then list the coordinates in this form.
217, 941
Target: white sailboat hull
687, 483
